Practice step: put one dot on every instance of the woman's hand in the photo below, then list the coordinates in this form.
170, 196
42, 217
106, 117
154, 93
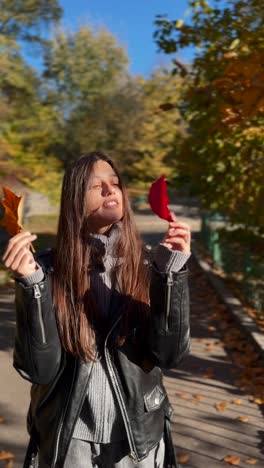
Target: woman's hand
17, 256
178, 236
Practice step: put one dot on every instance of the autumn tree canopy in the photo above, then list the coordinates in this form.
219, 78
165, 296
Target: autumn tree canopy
224, 103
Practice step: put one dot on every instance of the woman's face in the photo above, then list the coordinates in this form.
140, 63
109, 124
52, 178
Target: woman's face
104, 198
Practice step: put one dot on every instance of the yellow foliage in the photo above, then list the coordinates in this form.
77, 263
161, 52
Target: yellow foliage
241, 88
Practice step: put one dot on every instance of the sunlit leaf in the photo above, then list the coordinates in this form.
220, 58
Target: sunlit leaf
198, 397
251, 461
237, 401
182, 395
221, 405
5, 455
183, 457
232, 460
243, 419
10, 219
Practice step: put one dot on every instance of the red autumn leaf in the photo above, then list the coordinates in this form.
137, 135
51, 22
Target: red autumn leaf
158, 199
10, 218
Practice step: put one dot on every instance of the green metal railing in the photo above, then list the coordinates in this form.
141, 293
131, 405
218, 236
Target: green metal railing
235, 259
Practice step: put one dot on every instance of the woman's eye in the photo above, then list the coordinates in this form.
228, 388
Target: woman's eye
97, 186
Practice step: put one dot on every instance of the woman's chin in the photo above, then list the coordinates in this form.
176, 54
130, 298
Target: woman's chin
104, 225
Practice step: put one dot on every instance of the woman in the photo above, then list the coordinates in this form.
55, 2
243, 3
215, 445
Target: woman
97, 319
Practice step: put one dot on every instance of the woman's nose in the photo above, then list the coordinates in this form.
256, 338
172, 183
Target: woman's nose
108, 189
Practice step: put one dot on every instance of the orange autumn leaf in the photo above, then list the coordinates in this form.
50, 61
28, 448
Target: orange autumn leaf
183, 457
258, 401
182, 395
251, 461
237, 401
199, 397
221, 405
208, 374
10, 218
2, 420
243, 418
232, 460
5, 455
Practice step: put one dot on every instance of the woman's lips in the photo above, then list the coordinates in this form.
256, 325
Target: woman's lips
110, 204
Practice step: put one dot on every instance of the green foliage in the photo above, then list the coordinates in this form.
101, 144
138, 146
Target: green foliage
83, 65
28, 122
158, 130
224, 105
25, 19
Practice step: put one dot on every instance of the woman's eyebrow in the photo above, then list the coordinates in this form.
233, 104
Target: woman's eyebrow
104, 175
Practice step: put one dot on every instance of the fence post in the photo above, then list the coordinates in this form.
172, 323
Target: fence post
216, 249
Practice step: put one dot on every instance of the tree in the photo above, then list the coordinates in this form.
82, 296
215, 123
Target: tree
82, 65
24, 20
224, 104
155, 144
27, 122
82, 70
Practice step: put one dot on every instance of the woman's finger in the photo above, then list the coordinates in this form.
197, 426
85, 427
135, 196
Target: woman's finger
179, 224
178, 231
178, 241
17, 259
25, 268
14, 241
9, 256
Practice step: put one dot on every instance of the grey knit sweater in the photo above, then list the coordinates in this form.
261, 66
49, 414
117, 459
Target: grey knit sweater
100, 419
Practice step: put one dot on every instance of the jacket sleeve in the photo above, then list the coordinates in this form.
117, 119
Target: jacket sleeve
37, 350
168, 337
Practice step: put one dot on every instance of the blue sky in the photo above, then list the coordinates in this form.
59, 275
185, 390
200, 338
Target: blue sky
131, 21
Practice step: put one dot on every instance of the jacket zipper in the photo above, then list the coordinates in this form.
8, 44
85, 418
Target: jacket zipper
37, 296
133, 453
62, 418
169, 283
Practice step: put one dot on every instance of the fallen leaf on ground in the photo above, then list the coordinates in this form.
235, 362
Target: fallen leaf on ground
221, 405
232, 460
243, 418
237, 401
2, 420
198, 397
258, 401
208, 374
203, 340
5, 455
251, 461
182, 457
182, 395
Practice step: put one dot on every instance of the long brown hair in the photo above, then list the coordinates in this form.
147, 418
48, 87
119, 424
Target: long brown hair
73, 300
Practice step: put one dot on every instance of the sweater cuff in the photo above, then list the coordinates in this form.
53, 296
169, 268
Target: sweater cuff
34, 278
170, 260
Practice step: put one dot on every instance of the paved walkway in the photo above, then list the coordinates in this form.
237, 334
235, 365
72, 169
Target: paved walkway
213, 416
203, 434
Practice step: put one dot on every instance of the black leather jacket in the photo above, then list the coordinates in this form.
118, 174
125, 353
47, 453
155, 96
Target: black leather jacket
60, 380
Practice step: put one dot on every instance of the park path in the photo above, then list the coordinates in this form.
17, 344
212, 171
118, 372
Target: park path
203, 435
